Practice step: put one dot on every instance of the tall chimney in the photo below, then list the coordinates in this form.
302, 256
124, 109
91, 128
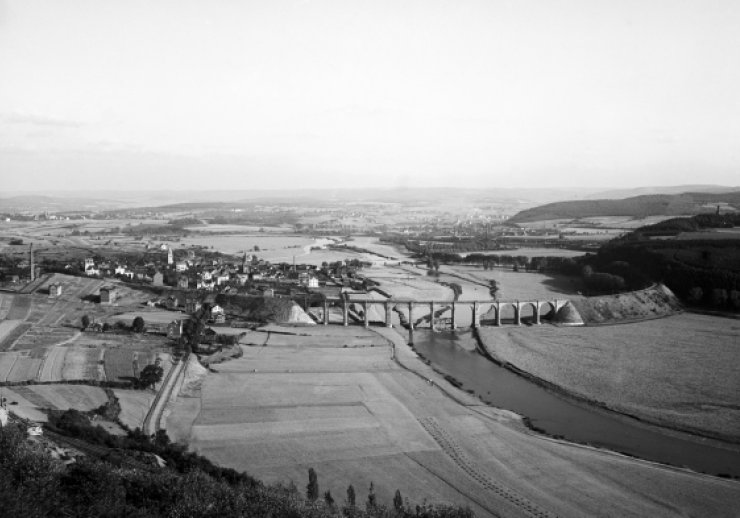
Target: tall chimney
30, 259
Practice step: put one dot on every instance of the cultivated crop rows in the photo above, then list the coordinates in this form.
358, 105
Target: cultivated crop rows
451, 448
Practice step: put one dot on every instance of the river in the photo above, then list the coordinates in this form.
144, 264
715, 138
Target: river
558, 415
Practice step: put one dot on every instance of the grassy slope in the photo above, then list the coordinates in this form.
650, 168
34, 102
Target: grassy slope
636, 305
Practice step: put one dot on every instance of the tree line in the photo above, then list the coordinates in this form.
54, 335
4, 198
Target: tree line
33, 484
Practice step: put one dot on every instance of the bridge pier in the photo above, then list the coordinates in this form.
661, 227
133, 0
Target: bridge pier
537, 313
498, 314
475, 323
326, 312
365, 315
388, 315
345, 312
518, 313
454, 319
431, 316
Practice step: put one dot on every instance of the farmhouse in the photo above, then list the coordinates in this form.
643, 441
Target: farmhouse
55, 290
192, 305
158, 279
108, 295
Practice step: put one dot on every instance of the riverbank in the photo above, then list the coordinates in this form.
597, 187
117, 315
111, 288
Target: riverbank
528, 461
653, 371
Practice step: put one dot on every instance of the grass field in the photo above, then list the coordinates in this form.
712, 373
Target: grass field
119, 364
25, 368
150, 316
531, 252
678, 371
27, 401
520, 285
81, 363
134, 406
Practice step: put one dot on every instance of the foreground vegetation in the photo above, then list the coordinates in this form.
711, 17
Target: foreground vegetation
34, 484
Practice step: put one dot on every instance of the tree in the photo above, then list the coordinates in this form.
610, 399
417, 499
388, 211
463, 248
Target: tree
85, 322
328, 499
150, 375
312, 489
493, 288
138, 325
719, 297
696, 294
351, 498
398, 501
371, 498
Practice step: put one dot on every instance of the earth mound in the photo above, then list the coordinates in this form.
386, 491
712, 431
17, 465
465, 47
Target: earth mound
568, 316
266, 309
657, 301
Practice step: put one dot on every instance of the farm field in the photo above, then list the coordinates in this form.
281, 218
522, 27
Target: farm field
222, 227
678, 371
518, 285
286, 245
151, 316
28, 400
280, 410
374, 245
82, 363
530, 252
134, 406
409, 282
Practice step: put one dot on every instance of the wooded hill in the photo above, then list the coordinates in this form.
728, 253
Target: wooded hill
688, 203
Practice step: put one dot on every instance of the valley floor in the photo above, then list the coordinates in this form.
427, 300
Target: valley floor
357, 415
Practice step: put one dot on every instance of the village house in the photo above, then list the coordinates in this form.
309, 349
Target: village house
158, 279
108, 295
55, 290
174, 329
192, 305
182, 282
181, 266
123, 272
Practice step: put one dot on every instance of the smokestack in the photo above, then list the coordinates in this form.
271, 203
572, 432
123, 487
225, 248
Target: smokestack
30, 259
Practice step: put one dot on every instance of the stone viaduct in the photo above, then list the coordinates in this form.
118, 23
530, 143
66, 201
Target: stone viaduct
539, 308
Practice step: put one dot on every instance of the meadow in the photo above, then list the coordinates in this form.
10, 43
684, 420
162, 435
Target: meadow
518, 285
531, 252
679, 371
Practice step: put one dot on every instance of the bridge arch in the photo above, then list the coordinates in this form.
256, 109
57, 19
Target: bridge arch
548, 309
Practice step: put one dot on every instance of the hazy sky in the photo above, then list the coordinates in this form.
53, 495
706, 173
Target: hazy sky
235, 93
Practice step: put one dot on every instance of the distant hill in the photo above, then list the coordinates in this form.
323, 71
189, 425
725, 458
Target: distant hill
614, 194
37, 203
684, 204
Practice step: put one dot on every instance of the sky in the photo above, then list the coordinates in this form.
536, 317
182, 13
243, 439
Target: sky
220, 94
